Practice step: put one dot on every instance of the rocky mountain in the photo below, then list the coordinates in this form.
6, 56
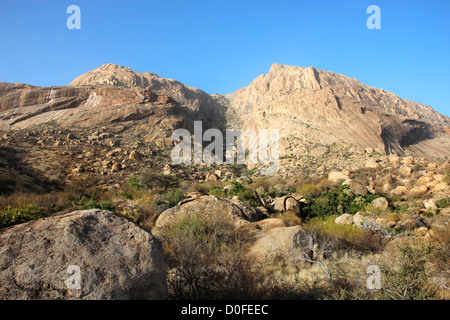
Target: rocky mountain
311, 106
327, 122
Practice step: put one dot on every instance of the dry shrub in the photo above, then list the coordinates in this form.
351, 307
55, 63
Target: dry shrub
147, 208
312, 188
289, 217
204, 263
259, 182
346, 237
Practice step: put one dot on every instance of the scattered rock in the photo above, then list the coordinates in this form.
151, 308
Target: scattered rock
336, 176
381, 203
399, 191
344, 219
405, 171
286, 203
417, 192
135, 156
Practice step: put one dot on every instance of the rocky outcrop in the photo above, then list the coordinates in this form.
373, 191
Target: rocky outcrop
86, 106
312, 106
114, 259
209, 108
234, 212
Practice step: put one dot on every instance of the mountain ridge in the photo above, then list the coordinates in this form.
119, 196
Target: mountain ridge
308, 105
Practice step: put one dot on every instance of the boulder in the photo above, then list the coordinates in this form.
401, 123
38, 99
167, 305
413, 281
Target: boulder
381, 203
430, 205
424, 180
244, 179
274, 244
336, 176
372, 163
358, 219
408, 160
417, 192
250, 231
405, 171
114, 258
344, 219
393, 158
116, 167
440, 187
286, 203
356, 187
234, 212
399, 191
135, 156
212, 177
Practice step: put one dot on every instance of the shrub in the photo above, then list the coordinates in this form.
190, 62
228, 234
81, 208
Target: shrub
345, 237
84, 186
443, 203
11, 216
155, 180
91, 204
236, 188
407, 274
336, 201
289, 217
134, 183
171, 198
248, 196
204, 264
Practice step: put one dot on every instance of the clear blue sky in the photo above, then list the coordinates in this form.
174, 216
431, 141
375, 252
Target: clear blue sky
220, 46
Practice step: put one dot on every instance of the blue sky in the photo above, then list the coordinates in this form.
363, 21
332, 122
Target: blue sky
220, 46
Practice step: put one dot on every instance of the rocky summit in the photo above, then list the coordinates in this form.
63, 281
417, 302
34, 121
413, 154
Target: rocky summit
319, 108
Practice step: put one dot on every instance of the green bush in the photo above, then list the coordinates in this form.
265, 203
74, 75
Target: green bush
443, 203
337, 201
11, 216
248, 196
171, 198
155, 180
134, 183
91, 204
237, 187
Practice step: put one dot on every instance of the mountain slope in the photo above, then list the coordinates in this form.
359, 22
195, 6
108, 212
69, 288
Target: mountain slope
321, 108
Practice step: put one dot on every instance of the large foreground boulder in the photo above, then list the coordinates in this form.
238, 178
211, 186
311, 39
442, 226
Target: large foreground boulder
90, 254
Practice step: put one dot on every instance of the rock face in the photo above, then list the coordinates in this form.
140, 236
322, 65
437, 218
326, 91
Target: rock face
118, 76
116, 259
321, 107
235, 212
107, 94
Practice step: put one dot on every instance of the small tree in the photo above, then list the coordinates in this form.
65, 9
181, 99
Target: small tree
315, 248
153, 180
